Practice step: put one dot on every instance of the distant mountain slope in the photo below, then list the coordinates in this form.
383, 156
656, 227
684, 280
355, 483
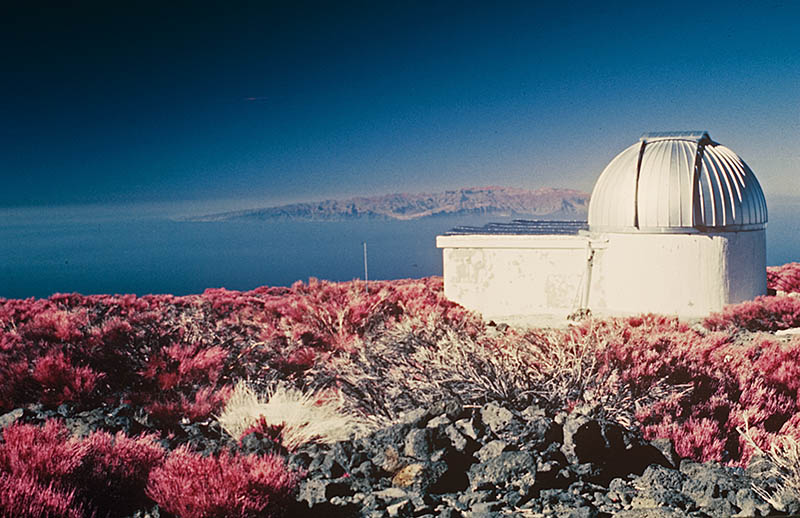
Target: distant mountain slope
403, 206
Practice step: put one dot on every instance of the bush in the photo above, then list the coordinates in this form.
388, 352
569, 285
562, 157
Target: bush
784, 278
768, 313
104, 473
398, 346
162, 351
229, 486
47, 454
60, 381
724, 377
23, 496
115, 471
416, 364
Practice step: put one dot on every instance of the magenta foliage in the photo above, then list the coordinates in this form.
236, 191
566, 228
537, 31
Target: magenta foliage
115, 471
228, 486
180, 355
784, 278
61, 381
24, 496
729, 382
768, 313
104, 473
47, 454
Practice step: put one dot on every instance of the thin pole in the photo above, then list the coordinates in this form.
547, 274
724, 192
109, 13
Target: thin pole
366, 275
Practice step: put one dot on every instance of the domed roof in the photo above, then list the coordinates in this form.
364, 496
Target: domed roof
677, 182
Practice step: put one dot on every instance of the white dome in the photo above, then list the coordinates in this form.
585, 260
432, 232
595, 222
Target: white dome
677, 182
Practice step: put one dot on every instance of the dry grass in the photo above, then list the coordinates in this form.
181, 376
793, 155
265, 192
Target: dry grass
418, 363
784, 456
303, 416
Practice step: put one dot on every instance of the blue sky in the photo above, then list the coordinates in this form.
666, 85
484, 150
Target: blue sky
261, 104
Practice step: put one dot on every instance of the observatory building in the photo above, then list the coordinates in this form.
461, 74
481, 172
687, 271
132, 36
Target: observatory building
676, 226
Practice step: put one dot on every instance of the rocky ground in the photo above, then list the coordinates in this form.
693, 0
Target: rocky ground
449, 461
487, 462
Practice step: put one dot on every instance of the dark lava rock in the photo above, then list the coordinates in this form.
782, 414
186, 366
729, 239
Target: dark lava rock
659, 477
610, 447
653, 498
662, 512
112, 419
581, 512
316, 491
471, 427
153, 512
451, 462
460, 442
496, 417
667, 449
502, 469
422, 477
257, 443
450, 513
418, 444
589, 440
708, 482
491, 450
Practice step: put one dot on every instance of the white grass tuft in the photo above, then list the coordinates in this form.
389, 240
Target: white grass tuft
305, 417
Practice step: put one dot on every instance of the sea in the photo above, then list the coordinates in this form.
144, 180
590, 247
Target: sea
143, 250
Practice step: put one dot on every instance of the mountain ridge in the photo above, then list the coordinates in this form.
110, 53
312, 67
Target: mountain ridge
505, 201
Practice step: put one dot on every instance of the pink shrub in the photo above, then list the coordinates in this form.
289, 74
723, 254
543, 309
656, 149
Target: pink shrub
22, 496
784, 278
115, 471
723, 382
174, 406
105, 473
114, 332
56, 325
768, 313
178, 356
192, 486
196, 364
47, 454
14, 374
160, 348
61, 381
700, 438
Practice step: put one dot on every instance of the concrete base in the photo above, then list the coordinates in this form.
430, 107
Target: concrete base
521, 277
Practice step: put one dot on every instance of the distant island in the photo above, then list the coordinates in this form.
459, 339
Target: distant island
502, 201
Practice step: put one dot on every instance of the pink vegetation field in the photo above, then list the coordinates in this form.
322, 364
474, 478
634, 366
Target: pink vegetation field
177, 359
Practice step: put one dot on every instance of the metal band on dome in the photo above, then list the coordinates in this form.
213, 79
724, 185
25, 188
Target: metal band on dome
636, 185
698, 208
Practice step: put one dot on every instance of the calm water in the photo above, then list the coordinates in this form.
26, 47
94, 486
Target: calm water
154, 254
106, 250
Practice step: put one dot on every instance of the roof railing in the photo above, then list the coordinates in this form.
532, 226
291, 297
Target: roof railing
692, 135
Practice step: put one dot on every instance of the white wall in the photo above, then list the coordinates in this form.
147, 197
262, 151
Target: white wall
690, 275
508, 277
747, 265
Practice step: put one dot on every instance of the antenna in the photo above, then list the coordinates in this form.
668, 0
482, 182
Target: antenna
366, 274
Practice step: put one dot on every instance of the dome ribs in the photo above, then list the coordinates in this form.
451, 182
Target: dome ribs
677, 182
